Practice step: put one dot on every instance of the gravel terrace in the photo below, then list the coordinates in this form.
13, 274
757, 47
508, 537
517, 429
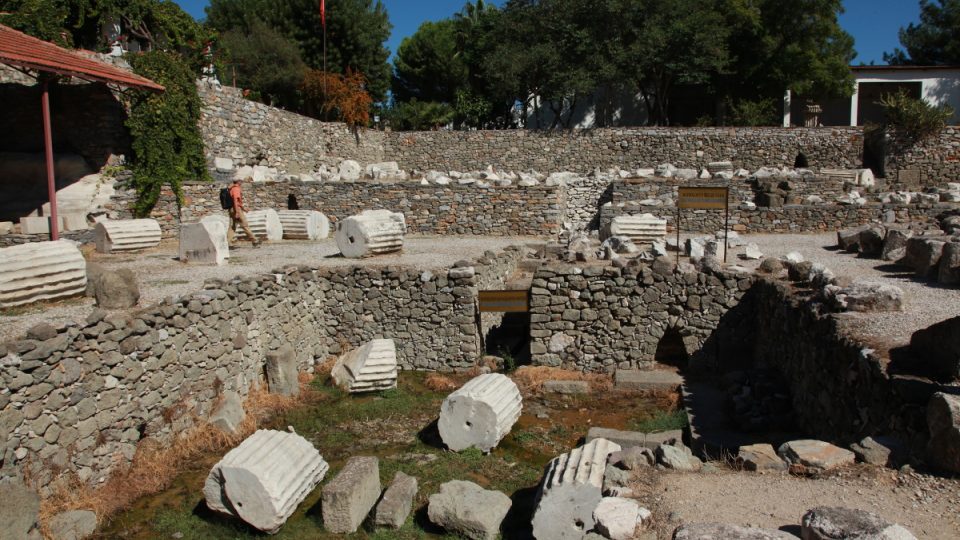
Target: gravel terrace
162, 275
925, 303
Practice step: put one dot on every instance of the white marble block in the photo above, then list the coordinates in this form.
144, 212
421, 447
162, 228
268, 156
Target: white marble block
41, 271
371, 232
858, 177
480, 413
570, 491
265, 224
204, 242
369, 368
262, 480
641, 229
304, 224
112, 236
35, 225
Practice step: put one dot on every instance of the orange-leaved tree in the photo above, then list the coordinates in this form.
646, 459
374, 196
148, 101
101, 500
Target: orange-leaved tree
337, 97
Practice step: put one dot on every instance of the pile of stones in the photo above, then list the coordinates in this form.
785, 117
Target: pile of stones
837, 293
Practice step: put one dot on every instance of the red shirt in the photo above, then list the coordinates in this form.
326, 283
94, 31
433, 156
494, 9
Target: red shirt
237, 196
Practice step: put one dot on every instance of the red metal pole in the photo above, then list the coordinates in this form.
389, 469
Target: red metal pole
48, 150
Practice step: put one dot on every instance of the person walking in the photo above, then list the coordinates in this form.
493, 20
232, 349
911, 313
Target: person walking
238, 215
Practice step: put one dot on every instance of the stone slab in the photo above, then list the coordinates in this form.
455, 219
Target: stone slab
647, 380
626, 439
350, 496
567, 387
394, 507
467, 510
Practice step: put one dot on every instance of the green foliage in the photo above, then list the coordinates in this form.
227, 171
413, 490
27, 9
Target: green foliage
167, 147
356, 32
470, 109
427, 66
415, 115
661, 421
264, 62
914, 118
761, 112
157, 24
935, 40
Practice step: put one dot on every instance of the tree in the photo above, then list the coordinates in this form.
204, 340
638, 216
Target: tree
356, 32
265, 62
339, 97
415, 115
157, 24
428, 66
776, 46
935, 40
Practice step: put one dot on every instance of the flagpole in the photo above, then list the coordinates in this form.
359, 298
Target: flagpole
323, 23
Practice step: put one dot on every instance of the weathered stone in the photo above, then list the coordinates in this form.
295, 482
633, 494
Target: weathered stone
678, 457
849, 239
73, 525
204, 242
937, 349
865, 296
40, 271
567, 387
229, 413
112, 289
372, 232
722, 531
949, 273
20, 508
113, 236
570, 491
262, 480
633, 458
830, 523
281, 370
880, 450
895, 244
304, 224
394, 507
871, 242
628, 439
760, 457
349, 497
810, 456
923, 255
265, 225
770, 265
467, 510
943, 421
617, 518
349, 170
480, 413
369, 368
42, 332
643, 229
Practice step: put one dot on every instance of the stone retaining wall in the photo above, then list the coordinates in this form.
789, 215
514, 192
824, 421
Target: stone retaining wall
788, 219
601, 318
81, 398
929, 163
452, 209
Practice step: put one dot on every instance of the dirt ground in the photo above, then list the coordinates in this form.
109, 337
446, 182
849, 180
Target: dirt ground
926, 505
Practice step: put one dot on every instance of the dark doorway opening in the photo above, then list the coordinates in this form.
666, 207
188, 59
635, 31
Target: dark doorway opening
510, 339
671, 350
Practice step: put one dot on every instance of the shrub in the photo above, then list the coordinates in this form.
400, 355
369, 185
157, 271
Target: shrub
914, 118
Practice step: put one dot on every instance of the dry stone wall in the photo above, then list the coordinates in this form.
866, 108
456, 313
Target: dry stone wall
452, 209
929, 163
601, 318
81, 398
584, 150
252, 133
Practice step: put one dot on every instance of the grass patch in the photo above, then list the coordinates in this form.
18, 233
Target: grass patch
661, 421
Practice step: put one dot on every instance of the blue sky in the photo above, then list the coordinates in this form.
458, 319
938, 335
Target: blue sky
873, 23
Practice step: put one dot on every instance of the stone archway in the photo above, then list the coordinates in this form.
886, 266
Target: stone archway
672, 350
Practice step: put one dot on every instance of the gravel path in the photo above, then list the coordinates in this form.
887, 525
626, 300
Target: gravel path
926, 505
925, 303
162, 275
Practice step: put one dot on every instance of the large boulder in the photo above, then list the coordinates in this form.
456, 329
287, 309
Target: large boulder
895, 244
112, 289
833, 523
865, 296
923, 255
760, 457
943, 421
849, 239
937, 348
949, 273
467, 510
811, 456
871, 242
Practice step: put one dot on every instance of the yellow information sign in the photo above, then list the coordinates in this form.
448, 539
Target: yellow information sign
703, 198
504, 301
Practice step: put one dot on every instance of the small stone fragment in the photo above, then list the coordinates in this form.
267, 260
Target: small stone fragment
349, 497
468, 510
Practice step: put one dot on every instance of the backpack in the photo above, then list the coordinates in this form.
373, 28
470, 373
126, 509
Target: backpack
226, 201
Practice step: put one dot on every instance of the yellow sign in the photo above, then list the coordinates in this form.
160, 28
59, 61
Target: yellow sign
704, 198
504, 301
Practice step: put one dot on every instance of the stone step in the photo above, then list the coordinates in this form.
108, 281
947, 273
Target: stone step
626, 439
647, 380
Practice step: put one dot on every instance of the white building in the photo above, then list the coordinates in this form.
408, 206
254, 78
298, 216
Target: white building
937, 85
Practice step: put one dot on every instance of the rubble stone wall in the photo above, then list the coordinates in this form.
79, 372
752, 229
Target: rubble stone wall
584, 150
452, 209
82, 398
928, 163
252, 133
788, 219
601, 318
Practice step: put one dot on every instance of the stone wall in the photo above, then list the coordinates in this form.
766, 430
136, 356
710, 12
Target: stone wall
252, 133
81, 398
452, 209
801, 218
584, 150
929, 163
601, 318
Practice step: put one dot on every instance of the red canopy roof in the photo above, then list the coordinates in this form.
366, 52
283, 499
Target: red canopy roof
19, 49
